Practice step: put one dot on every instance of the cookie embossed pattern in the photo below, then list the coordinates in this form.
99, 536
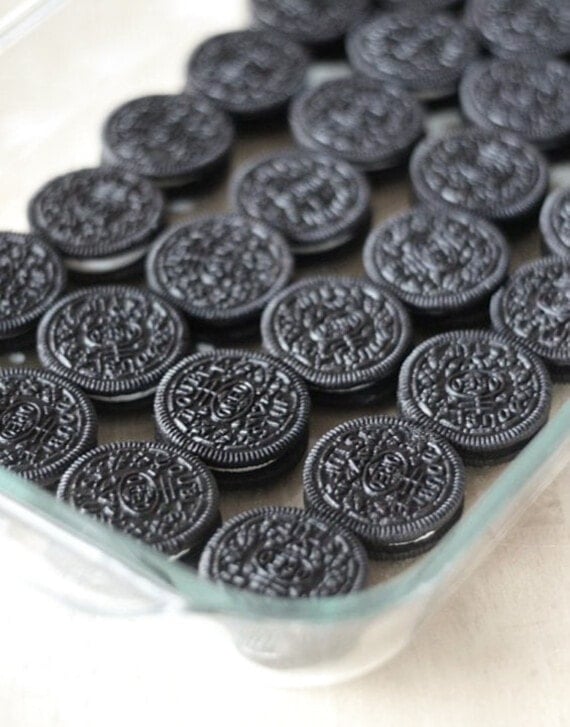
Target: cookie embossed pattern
485, 394
284, 551
346, 337
221, 270
521, 28
101, 220
245, 414
441, 264
250, 73
317, 202
527, 97
426, 54
32, 277
371, 125
114, 341
492, 174
173, 140
45, 424
151, 491
396, 487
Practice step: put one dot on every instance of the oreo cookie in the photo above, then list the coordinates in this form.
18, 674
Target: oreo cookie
482, 392
369, 124
150, 491
492, 174
248, 73
396, 487
522, 27
115, 341
346, 337
286, 552
101, 220
175, 140
45, 424
555, 223
317, 202
442, 265
245, 414
319, 24
533, 308
426, 54
528, 97
221, 271
32, 277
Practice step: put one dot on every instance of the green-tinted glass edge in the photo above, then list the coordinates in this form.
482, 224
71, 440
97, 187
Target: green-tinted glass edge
201, 595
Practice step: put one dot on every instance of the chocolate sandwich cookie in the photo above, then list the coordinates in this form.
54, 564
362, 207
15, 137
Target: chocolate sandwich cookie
530, 97
482, 392
287, 552
442, 265
555, 223
369, 124
319, 24
533, 308
32, 277
101, 220
221, 271
115, 341
396, 487
245, 414
45, 424
173, 140
522, 27
153, 492
317, 202
426, 54
346, 337
248, 73
492, 174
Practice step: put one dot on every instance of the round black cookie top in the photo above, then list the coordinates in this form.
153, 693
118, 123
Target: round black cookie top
484, 393
32, 277
492, 174
318, 203
390, 483
113, 341
522, 27
530, 97
97, 213
150, 491
534, 308
555, 223
312, 22
45, 424
369, 124
248, 72
221, 270
287, 552
426, 54
174, 139
437, 262
239, 411
338, 333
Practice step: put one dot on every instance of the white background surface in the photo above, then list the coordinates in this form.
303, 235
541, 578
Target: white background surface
498, 653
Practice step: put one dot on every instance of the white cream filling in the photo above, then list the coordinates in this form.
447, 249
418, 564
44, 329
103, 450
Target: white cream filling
124, 397
106, 264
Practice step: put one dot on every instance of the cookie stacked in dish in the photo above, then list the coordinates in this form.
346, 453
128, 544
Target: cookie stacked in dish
232, 332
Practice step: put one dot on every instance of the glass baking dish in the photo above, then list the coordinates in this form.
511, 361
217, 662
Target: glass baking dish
58, 80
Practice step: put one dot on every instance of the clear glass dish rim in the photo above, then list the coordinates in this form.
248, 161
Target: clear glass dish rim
201, 595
